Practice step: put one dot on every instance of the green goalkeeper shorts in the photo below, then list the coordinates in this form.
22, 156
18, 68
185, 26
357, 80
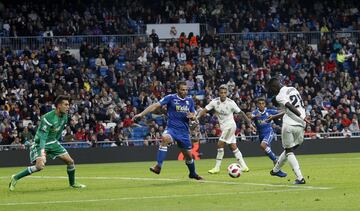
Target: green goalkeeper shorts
52, 150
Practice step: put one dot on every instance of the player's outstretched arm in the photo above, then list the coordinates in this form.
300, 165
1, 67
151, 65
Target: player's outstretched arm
149, 109
248, 121
202, 113
276, 116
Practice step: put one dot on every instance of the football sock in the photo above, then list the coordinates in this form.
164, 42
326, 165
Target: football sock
29, 170
161, 155
191, 166
281, 161
71, 174
219, 157
270, 154
294, 165
239, 158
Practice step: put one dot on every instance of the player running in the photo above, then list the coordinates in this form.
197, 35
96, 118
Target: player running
224, 109
46, 144
180, 109
262, 118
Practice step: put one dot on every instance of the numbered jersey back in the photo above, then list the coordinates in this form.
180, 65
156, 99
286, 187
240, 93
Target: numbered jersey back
291, 95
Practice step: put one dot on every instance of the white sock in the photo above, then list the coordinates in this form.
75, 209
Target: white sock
219, 157
294, 165
240, 158
281, 161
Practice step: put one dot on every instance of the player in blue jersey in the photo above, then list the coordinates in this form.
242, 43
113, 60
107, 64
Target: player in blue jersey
262, 118
180, 110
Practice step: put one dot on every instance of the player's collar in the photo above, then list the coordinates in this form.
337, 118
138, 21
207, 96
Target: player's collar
263, 111
180, 97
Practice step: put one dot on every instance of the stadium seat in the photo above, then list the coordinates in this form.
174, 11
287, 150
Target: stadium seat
103, 71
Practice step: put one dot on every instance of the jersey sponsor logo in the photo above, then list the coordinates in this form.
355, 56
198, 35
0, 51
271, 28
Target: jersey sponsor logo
182, 108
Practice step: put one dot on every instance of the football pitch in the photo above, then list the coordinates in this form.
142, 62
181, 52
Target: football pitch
332, 184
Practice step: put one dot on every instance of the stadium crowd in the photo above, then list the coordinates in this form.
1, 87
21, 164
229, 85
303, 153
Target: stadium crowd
129, 17
112, 83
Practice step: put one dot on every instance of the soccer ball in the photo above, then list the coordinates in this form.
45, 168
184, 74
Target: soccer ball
234, 170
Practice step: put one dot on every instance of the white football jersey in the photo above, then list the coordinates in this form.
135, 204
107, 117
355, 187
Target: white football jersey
291, 95
224, 111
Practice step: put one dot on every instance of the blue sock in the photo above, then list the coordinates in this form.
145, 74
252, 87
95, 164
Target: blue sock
191, 166
161, 155
270, 154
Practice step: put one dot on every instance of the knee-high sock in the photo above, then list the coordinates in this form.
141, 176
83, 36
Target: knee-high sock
191, 166
281, 161
29, 170
219, 157
239, 158
294, 165
270, 153
71, 174
161, 155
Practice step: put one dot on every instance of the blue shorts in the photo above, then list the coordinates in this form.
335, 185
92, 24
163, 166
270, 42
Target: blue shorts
182, 138
267, 137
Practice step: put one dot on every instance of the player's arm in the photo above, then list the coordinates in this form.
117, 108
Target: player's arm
276, 116
42, 134
149, 109
202, 113
247, 120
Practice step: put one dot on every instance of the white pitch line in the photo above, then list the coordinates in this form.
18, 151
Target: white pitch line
173, 179
147, 197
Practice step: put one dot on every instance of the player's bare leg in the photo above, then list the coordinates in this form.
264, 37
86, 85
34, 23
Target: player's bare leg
239, 157
39, 165
71, 170
165, 141
219, 157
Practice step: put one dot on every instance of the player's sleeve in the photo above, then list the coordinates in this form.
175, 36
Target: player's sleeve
235, 107
273, 111
192, 106
210, 106
253, 114
282, 98
43, 131
165, 100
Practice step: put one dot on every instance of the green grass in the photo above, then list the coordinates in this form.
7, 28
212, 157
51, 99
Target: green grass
332, 184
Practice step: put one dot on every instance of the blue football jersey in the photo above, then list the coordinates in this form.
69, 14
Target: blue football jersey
177, 109
259, 118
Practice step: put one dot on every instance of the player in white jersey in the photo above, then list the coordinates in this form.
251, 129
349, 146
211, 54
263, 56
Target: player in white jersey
292, 132
224, 109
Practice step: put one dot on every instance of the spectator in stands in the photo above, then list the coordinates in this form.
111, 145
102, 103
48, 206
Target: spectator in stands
80, 134
354, 126
101, 136
26, 136
100, 61
68, 135
154, 38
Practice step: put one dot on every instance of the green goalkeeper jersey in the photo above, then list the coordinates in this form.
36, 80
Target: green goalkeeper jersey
50, 128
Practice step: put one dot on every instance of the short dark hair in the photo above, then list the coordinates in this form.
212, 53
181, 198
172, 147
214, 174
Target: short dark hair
180, 83
260, 99
272, 82
59, 99
223, 86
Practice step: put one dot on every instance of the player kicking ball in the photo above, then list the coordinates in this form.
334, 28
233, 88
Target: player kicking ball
224, 109
46, 144
292, 132
180, 110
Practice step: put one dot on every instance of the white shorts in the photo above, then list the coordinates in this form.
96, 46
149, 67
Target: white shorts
292, 135
228, 135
